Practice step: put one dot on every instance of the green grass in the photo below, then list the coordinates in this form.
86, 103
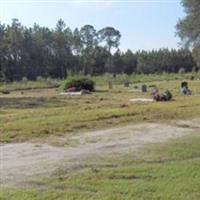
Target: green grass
41, 113
159, 172
100, 80
26, 84
167, 171
143, 78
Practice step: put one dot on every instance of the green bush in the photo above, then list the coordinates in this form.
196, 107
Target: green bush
168, 95
5, 92
80, 84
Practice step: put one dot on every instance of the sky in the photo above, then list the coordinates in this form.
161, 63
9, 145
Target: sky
144, 24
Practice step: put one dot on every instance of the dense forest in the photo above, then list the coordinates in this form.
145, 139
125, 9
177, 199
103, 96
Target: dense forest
39, 51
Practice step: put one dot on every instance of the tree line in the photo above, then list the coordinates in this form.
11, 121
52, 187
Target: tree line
40, 51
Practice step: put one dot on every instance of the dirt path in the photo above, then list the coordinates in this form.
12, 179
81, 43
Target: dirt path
19, 161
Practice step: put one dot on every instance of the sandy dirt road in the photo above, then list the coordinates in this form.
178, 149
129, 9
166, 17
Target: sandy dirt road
21, 161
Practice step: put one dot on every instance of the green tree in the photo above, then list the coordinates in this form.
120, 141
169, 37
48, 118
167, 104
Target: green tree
76, 42
189, 27
89, 42
40, 51
3, 52
129, 62
62, 48
111, 38
117, 64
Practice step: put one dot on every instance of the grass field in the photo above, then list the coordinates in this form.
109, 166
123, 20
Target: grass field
38, 113
100, 80
169, 170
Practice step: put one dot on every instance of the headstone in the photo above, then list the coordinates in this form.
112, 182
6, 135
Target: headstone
184, 84
184, 88
110, 85
144, 88
126, 83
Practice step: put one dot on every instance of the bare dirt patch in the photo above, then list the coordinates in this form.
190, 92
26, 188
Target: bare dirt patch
21, 161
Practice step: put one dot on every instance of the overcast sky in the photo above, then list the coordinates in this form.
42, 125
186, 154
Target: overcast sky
144, 24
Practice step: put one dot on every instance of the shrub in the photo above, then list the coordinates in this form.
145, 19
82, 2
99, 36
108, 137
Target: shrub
5, 92
80, 84
152, 86
168, 95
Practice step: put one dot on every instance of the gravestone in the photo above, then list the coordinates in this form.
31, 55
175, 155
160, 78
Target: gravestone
184, 88
192, 78
126, 83
110, 85
144, 88
184, 84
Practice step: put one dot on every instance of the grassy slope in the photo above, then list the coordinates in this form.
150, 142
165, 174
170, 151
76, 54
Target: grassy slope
166, 171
